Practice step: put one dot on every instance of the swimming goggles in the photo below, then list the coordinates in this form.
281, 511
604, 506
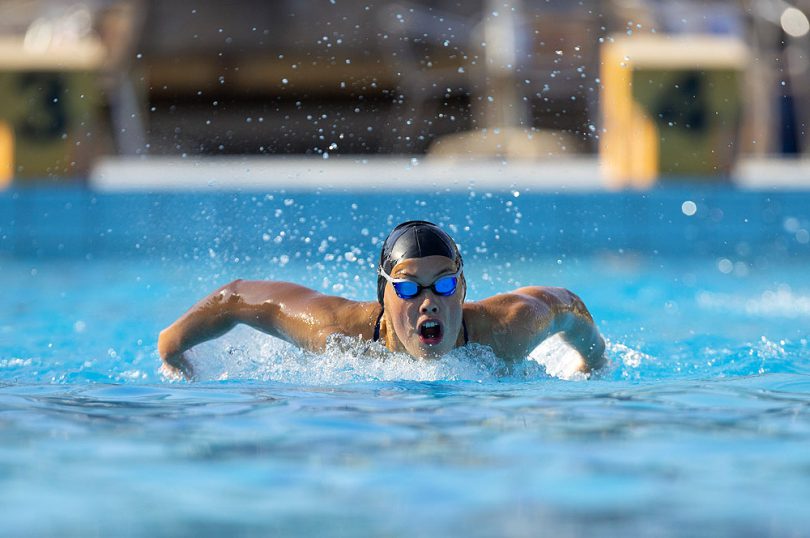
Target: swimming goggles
408, 289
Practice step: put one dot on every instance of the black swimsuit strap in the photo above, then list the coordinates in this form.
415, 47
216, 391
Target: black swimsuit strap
379, 319
377, 326
464, 326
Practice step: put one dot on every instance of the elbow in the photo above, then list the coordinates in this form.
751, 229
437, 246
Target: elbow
572, 314
232, 288
166, 343
224, 303
230, 293
576, 306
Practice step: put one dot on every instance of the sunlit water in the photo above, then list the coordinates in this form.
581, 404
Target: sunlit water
699, 425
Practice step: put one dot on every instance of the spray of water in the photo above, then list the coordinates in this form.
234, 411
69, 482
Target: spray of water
245, 354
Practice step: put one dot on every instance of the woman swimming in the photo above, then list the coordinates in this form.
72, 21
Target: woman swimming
420, 310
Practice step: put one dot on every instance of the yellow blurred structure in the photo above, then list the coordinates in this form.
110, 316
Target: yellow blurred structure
6, 155
47, 101
671, 106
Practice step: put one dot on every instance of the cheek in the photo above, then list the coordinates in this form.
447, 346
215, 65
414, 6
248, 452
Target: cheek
402, 313
410, 312
452, 306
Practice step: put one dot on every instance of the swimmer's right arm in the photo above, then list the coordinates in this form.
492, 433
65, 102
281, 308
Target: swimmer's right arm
288, 311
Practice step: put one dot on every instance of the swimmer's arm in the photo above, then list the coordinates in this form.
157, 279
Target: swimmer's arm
540, 312
288, 311
564, 313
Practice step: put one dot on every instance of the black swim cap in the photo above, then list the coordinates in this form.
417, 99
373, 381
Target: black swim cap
414, 239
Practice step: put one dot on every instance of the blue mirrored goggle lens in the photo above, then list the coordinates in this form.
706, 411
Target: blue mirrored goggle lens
445, 285
407, 290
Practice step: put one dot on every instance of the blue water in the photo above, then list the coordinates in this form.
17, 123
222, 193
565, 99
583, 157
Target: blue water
699, 425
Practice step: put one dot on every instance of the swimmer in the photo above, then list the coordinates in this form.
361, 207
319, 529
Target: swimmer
420, 310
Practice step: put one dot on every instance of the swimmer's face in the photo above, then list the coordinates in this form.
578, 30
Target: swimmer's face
428, 325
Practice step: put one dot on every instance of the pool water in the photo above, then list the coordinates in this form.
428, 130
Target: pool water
699, 425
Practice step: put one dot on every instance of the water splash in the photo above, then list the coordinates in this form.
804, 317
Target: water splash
706, 357
244, 354
625, 362
559, 359
350, 360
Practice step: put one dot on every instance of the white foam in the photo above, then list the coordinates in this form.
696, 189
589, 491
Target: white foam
631, 358
558, 358
247, 354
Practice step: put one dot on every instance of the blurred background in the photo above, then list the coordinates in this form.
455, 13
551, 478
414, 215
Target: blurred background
645, 89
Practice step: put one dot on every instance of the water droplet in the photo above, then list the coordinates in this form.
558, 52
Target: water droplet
689, 208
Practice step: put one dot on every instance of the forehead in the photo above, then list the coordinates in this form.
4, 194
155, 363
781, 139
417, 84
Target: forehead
426, 267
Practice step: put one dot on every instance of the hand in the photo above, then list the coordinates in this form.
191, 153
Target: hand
175, 362
177, 367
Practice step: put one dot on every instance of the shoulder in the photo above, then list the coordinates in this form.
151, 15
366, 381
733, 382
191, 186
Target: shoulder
519, 302
506, 307
546, 294
511, 322
351, 318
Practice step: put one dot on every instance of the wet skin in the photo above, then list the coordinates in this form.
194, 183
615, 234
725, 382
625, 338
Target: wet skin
512, 324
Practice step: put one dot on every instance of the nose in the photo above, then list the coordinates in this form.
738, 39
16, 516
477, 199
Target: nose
429, 304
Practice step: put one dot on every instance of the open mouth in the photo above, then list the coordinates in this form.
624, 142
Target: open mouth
430, 332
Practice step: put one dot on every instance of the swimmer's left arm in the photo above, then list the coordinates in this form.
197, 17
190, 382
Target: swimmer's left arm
563, 312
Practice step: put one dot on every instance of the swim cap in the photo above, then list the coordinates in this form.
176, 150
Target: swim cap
414, 239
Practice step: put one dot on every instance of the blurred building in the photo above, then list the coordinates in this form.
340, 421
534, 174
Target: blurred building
315, 76
304, 76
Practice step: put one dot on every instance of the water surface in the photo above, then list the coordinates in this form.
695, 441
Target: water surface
699, 425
